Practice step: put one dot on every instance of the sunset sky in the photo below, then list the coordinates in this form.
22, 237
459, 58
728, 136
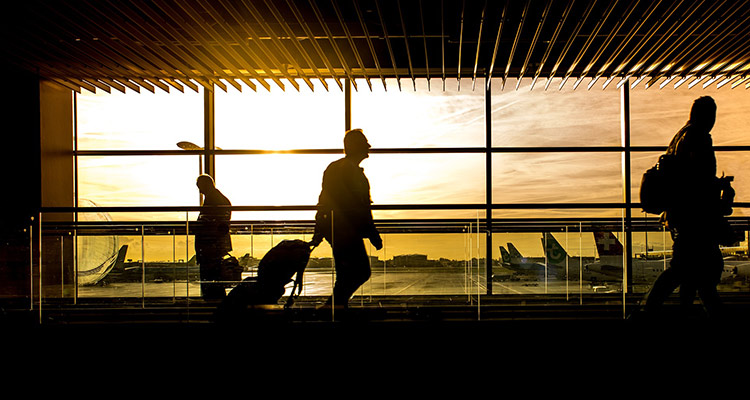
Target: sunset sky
393, 119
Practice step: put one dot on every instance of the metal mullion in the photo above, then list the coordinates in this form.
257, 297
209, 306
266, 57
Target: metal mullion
570, 41
479, 42
388, 44
626, 185
54, 73
729, 78
711, 65
714, 43
114, 66
589, 41
460, 42
70, 74
488, 182
114, 84
301, 20
405, 150
143, 83
552, 41
292, 36
101, 85
331, 40
158, 83
186, 43
656, 47
126, 82
157, 53
284, 53
194, 14
238, 37
686, 54
174, 84
424, 42
197, 36
515, 41
406, 43
118, 54
734, 50
534, 40
612, 34
266, 49
442, 41
369, 42
673, 47
628, 37
132, 58
741, 81
351, 43
645, 40
736, 72
497, 41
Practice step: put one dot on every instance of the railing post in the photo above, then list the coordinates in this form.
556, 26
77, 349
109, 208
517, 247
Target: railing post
626, 182
488, 180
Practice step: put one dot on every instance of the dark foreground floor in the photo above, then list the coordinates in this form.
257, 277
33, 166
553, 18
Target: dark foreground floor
497, 331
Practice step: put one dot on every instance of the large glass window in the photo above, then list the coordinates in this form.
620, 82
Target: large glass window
278, 119
429, 158
139, 121
656, 115
425, 117
555, 117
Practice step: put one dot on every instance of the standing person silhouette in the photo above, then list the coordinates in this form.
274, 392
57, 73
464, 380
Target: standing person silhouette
212, 239
344, 218
696, 219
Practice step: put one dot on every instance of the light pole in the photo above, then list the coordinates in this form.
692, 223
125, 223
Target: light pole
193, 146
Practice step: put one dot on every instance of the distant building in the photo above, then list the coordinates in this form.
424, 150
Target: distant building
412, 260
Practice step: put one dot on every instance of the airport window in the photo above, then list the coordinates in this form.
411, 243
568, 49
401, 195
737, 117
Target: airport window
534, 117
556, 170
138, 121
280, 120
429, 116
656, 115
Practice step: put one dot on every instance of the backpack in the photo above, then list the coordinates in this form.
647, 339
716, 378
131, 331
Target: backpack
657, 185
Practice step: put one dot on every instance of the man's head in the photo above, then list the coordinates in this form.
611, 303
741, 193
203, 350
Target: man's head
204, 183
703, 112
356, 145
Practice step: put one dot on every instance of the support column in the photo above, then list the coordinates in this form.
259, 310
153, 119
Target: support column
347, 104
626, 189
488, 179
209, 165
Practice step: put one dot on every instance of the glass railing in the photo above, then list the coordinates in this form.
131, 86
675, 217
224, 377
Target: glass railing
87, 257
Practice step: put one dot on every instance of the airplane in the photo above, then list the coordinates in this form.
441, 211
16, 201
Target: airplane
644, 270
610, 261
560, 262
514, 261
93, 276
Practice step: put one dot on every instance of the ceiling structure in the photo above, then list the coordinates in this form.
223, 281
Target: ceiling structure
291, 44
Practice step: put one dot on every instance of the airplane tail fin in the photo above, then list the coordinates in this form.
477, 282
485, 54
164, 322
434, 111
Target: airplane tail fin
556, 254
120, 260
607, 244
504, 255
514, 253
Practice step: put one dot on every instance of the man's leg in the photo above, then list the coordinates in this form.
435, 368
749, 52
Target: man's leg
665, 284
352, 270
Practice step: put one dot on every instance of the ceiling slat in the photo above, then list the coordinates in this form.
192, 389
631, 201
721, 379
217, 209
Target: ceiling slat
109, 45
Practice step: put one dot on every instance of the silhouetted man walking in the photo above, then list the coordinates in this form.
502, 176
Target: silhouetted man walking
212, 239
695, 219
344, 217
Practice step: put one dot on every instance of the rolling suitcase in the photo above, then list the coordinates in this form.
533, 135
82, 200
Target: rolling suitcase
285, 261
